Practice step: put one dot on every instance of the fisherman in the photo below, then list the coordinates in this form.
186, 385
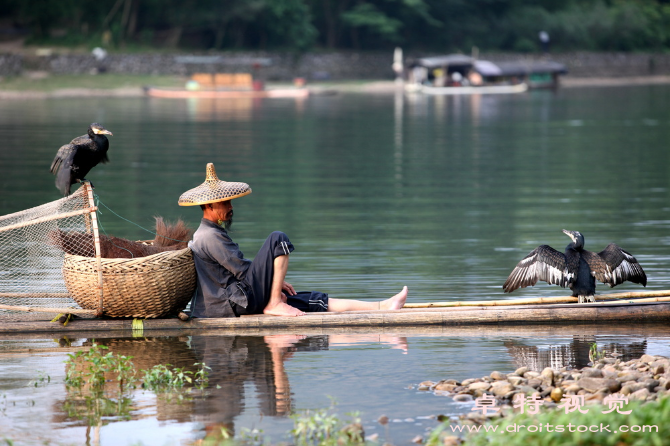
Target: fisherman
230, 285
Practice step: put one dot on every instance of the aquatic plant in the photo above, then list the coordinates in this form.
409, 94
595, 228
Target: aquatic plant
160, 378
323, 427
594, 354
90, 367
42, 379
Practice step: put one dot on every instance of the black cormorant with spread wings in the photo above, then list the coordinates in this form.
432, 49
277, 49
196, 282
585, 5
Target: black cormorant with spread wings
576, 269
74, 160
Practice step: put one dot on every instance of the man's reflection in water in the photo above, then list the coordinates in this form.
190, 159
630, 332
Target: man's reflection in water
236, 361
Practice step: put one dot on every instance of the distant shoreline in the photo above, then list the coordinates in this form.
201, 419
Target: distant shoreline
383, 86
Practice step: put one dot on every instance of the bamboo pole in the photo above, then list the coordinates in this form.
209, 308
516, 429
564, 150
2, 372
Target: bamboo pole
537, 300
49, 218
36, 295
46, 309
96, 240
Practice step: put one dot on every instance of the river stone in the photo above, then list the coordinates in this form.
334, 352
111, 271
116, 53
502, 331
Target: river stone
651, 384
520, 371
531, 374
611, 374
595, 384
556, 394
451, 440
641, 394
498, 376
479, 386
527, 390
592, 373
573, 388
534, 382
547, 376
467, 382
445, 387
462, 397
515, 380
626, 376
635, 386
501, 388
647, 358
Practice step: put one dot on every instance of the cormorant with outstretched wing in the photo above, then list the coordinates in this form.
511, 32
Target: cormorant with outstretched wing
577, 268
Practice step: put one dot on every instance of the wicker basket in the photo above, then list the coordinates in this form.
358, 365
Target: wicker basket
154, 286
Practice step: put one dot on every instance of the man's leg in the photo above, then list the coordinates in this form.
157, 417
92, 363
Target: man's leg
394, 303
277, 306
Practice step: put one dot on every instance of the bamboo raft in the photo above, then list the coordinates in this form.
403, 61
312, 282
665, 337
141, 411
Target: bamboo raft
644, 307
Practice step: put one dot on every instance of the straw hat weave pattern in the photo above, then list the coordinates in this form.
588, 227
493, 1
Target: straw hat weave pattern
213, 190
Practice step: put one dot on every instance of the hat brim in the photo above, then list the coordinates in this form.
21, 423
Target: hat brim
186, 202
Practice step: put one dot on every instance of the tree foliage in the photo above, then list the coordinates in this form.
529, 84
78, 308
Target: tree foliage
299, 25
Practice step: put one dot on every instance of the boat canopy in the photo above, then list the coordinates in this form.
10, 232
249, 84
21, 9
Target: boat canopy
451, 60
458, 62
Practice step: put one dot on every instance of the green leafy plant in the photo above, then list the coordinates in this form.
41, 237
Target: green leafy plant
91, 367
161, 378
595, 354
42, 379
323, 427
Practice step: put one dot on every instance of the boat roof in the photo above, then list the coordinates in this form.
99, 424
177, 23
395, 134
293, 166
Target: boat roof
488, 68
448, 60
531, 67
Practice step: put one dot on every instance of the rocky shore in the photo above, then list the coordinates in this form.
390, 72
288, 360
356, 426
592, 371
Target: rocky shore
643, 379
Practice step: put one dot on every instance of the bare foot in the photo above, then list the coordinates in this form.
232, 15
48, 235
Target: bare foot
396, 302
282, 309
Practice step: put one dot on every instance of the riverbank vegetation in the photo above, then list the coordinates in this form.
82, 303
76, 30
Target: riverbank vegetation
301, 25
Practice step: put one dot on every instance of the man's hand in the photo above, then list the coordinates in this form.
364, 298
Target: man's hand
288, 288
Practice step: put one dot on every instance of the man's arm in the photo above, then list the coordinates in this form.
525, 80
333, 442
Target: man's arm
227, 253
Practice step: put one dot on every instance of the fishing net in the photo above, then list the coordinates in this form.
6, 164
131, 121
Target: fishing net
53, 260
32, 248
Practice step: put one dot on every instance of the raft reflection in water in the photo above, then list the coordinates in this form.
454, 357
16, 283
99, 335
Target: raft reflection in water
234, 362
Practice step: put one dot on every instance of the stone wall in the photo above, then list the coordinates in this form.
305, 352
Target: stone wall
313, 66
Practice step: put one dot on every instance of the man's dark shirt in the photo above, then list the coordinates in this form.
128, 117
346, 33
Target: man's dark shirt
220, 266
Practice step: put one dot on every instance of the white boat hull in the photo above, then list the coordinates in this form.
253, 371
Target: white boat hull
485, 89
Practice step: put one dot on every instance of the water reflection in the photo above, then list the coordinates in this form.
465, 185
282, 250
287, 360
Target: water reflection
575, 354
258, 379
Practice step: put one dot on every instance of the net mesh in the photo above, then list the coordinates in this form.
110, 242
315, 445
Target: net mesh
32, 246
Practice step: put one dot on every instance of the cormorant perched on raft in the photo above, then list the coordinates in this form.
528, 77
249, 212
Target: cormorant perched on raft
74, 160
577, 268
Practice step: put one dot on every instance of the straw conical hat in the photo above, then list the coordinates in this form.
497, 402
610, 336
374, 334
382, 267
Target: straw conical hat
213, 190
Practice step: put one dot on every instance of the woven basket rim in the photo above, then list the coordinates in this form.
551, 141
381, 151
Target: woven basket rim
122, 260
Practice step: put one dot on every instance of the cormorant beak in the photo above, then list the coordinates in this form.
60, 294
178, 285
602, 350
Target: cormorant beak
570, 234
102, 132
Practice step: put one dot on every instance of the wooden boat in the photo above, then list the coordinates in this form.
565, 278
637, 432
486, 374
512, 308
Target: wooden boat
457, 74
643, 307
183, 93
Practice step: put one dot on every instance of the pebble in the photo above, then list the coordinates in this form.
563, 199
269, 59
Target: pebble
498, 376
642, 379
557, 394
